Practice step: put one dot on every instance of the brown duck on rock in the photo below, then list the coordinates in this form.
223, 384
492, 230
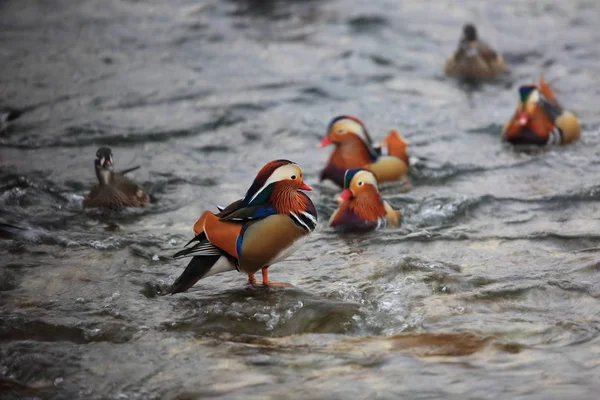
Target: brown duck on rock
474, 59
114, 189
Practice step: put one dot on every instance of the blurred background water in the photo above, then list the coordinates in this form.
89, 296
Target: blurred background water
490, 288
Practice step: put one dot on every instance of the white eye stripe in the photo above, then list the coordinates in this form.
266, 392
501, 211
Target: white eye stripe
279, 174
365, 177
534, 97
355, 128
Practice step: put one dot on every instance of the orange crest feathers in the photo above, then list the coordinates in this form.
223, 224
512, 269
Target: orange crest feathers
262, 177
286, 200
546, 90
368, 205
396, 145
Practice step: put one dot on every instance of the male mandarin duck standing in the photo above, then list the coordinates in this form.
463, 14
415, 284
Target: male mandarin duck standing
473, 59
539, 119
354, 149
251, 234
114, 189
362, 209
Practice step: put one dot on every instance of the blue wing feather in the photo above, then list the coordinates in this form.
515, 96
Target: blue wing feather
250, 213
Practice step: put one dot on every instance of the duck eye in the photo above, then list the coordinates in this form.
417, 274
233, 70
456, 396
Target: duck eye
341, 131
293, 176
360, 183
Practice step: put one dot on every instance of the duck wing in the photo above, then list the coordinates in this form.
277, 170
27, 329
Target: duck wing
128, 170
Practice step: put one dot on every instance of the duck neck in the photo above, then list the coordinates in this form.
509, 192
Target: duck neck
287, 199
368, 205
351, 153
104, 176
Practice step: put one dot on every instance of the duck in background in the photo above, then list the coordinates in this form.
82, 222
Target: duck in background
361, 207
251, 234
388, 161
114, 189
540, 119
473, 59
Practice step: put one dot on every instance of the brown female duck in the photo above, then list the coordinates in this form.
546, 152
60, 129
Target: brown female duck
474, 59
114, 189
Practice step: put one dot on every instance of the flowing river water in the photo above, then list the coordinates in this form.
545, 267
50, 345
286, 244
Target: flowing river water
489, 289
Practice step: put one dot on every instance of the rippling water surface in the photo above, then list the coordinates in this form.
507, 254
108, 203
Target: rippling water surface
488, 290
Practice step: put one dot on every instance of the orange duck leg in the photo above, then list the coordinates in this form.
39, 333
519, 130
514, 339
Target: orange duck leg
267, 282
251, 280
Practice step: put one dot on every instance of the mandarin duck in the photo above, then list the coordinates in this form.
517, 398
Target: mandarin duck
251, 234
474, 59
362, 209
388, 161
114, 189
539, 119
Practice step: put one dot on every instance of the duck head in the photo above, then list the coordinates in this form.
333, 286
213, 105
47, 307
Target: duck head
104, 165
358, 182
340, 129
529, 97
277, 179
468, 42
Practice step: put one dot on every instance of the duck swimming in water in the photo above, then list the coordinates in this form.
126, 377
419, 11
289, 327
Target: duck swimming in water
473, 59
253, 233
539, 119
114, 189
362, 209
354, 149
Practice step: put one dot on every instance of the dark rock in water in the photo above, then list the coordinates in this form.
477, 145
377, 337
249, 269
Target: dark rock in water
8, 280
11, 389
8, 115
153, 289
